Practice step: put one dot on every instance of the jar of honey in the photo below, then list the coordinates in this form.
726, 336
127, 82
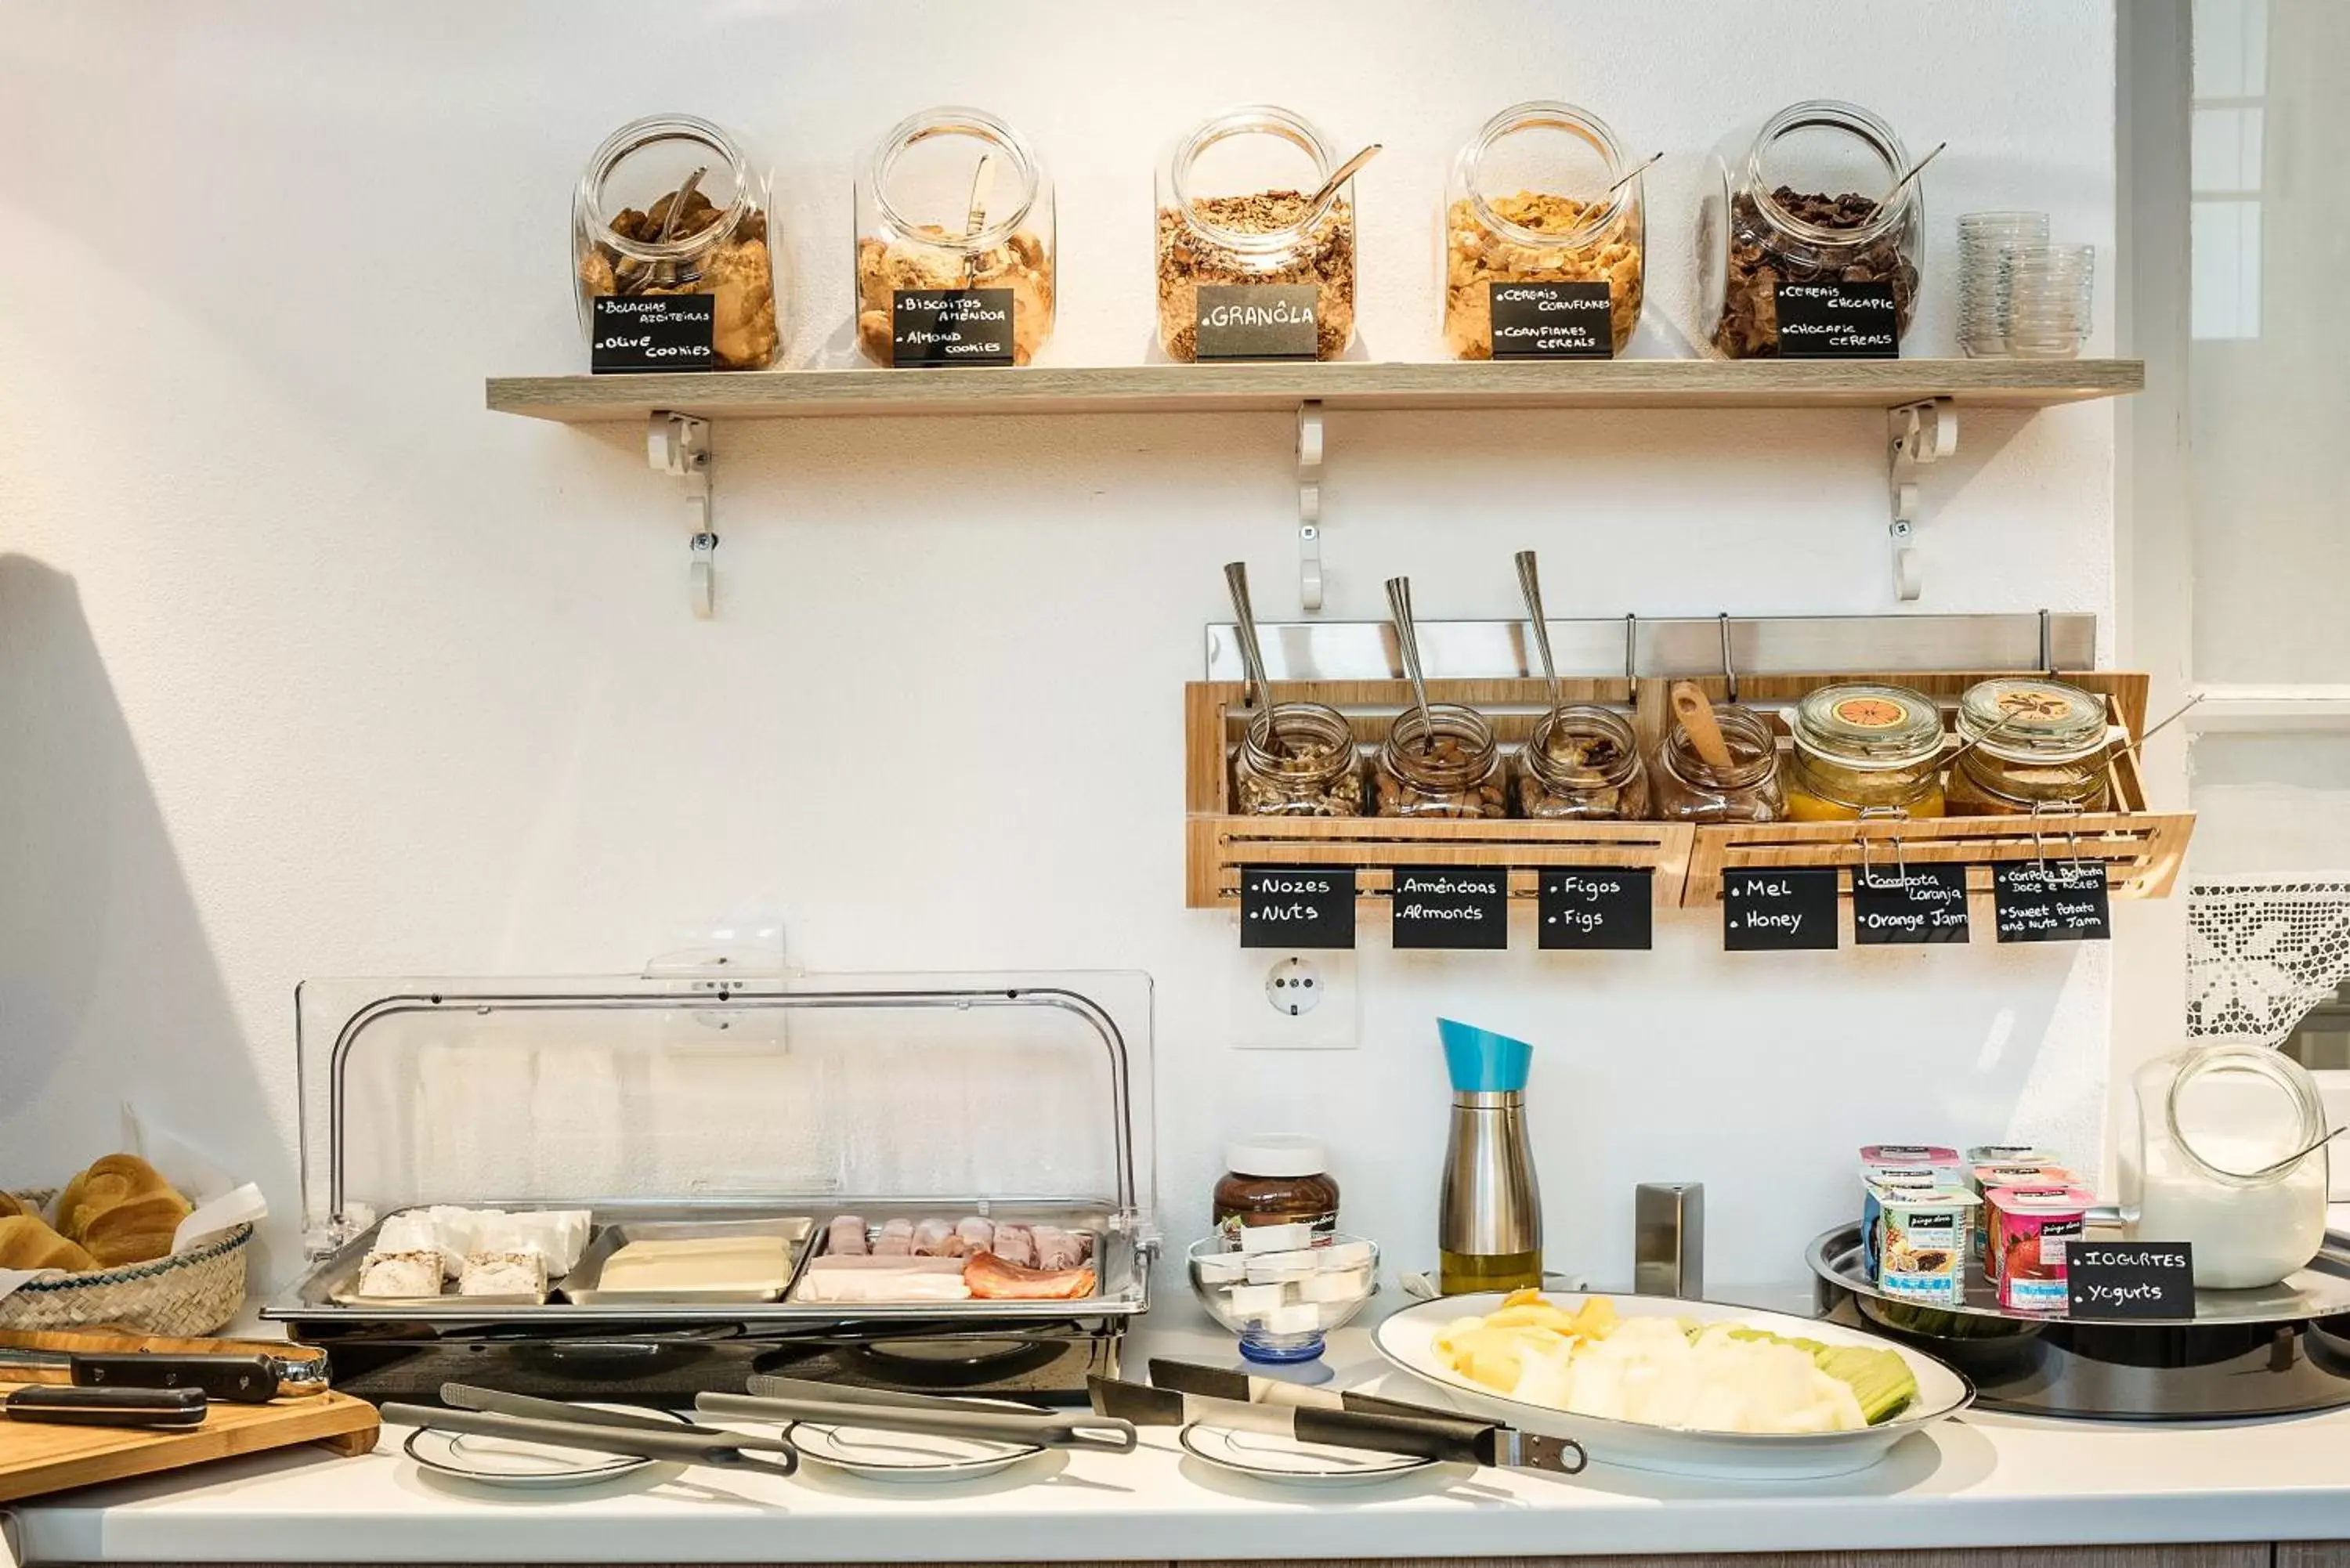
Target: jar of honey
1865, 750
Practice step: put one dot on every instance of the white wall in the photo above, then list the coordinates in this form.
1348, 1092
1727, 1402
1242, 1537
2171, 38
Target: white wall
309, 666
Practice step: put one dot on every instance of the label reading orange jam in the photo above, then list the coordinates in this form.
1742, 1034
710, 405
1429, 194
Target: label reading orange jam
1870, 712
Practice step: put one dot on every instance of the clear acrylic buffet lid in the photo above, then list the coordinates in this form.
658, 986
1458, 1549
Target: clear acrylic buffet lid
690, 1087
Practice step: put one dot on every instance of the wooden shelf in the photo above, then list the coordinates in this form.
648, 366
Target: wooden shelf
1342, 384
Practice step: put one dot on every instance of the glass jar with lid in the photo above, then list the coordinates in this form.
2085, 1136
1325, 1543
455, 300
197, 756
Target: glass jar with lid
955, 244
1864, 751
2029, 744
1298, 759
1582, 763
1450, 766
1249, 265
1531, 204
669, 206
1800, 203
1691, 789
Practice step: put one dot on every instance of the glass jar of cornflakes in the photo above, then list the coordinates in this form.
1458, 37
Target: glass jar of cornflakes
1864, 751
2029, 744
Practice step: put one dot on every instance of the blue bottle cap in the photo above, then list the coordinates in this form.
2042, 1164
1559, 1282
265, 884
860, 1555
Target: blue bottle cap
1482, 1061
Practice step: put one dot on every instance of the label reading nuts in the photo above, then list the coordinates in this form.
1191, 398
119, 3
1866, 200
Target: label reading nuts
1552, 321
1900, 905
1289, 907
1596, 908
1839, 321
933, 326
2052, 902
1451, 907
1258, 321
630, 335
1779, 911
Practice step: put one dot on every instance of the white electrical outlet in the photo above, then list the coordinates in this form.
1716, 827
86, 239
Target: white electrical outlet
1294, 1002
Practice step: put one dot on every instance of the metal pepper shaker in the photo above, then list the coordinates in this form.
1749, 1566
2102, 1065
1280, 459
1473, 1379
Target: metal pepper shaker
1489, 1220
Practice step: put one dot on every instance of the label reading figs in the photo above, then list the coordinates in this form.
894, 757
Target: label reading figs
2052, 902
2130, 1279
932, 327
1290, 907
1258, 321
633, 334
1839, 321
1919, 904
1451, 907
1552, 321
1779, 911
1596, 908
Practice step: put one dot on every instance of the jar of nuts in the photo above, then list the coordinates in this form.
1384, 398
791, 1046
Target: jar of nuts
1538, 238
669, 206
1808, 200
1249, 266
1582, 763
955, 244
1298, 759
1448, 766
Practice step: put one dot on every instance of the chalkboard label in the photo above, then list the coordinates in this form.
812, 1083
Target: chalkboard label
1298, 906
1916, 904
2052, 902
2130, 1279
931, 326
631, 334
1778, 911
1596, 908
1451, 907
1552, 321
1258, 321
1838, 321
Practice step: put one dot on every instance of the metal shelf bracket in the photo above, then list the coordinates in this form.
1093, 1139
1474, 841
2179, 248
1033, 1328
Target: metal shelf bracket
1309, 505
679, 446
1921, 432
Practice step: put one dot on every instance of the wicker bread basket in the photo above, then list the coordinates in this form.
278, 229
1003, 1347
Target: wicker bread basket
181, 1297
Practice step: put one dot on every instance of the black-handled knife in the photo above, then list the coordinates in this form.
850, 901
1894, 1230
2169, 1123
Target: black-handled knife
1223, 1383
162, 1409
1444, 1438
236, 1379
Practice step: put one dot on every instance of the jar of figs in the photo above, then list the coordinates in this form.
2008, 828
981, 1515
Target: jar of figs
669, 206
1444, 762
1249, 266
1298, 759
2029, 744
1742, 787
1541, 249
1804, 202
955, 244
1864, 751
1582, 763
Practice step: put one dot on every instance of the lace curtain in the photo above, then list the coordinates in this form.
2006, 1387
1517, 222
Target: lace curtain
2263, 950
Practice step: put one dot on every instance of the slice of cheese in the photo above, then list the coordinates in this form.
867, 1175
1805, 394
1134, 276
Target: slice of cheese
747, 1263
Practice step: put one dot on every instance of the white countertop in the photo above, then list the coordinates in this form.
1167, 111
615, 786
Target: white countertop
1978, 1481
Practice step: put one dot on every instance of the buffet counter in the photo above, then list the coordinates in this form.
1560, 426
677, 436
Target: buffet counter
1982, 1481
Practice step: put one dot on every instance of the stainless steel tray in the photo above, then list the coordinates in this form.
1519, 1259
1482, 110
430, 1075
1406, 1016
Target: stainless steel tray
1001, 1213
583, 1286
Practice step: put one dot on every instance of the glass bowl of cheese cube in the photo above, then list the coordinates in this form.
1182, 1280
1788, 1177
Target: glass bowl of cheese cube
1282, 1288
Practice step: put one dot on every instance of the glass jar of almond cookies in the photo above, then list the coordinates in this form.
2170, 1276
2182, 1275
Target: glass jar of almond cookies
1543, 245
955, 244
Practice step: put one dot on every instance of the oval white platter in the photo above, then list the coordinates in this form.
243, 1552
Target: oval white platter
1407, 1340
521, 1463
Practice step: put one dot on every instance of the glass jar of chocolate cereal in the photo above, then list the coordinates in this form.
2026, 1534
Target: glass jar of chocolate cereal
1448, 766
2031, 744
1541, 249
1298, 759
1864, 751
1582, 763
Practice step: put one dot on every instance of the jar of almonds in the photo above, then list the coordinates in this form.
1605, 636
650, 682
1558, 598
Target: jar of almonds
1298, 759
955, 244
1543, 249
1448, 766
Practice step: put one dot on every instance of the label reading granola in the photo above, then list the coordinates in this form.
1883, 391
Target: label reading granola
630, 335
1839, 321
1451, 907
1552, 321
1258, 321
931, 326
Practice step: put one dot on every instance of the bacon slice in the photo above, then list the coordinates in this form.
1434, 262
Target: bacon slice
991, 1279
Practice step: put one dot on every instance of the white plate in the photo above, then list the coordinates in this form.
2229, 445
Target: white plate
1406, 1339
880, 1455
521, 1463
1267, 1457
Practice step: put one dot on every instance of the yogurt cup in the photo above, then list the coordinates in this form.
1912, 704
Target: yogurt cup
1876, 1179
1983, 1180
1931, 1154
2011, 1154
2023, 1254
1921, 1238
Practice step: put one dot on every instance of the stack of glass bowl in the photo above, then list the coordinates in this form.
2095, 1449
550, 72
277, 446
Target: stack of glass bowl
2021, 296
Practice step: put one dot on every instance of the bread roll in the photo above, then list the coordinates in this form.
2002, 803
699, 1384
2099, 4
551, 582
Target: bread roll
122, 1211
11, 1204
26, 1243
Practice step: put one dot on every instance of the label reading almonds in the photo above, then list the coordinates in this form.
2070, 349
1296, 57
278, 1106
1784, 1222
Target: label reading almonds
1552, 321
1258, 321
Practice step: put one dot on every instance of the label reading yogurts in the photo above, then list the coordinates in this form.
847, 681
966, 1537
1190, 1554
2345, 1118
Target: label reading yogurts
1258, 321
633, 334
1552, 321
1839, 321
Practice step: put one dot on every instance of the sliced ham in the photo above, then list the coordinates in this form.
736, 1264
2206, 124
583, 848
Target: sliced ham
992, 1279
974, 1234
896, 1241
1058, 1249
1015, 1244
845, 1237
932, 1239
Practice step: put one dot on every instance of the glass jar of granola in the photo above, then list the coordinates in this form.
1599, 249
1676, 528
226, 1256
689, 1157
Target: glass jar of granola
1298, 759
1582, 763
1541, 251
1250, 267
668, 206
955, 244
1448, 766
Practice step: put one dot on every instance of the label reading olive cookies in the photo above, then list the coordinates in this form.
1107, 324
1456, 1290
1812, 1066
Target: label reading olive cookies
1779, 911
1451, 907
1596, 908
1552, 321
630, 335
2052, 902
1258, 321
1290, 907
1899, 905
933, 326
1839, 321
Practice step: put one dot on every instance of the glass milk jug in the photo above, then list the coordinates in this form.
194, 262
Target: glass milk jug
2211, 1161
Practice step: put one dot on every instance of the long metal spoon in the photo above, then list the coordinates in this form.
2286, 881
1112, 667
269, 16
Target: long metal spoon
982, 184
676, 201
2290, 1160
1634, 173
1407, 643
1915, 170
1530, 583
1251, 651
1346, 172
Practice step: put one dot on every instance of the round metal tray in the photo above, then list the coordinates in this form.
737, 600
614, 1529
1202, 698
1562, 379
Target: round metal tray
2279, 1351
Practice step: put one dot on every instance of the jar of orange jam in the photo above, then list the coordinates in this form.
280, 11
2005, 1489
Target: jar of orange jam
1865, 750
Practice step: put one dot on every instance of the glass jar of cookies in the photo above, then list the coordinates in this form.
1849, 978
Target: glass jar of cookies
1298, 759
1542, 247
1864, 751
1447, 765
955, 244
1745, 787
2029, 744
1582, 763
